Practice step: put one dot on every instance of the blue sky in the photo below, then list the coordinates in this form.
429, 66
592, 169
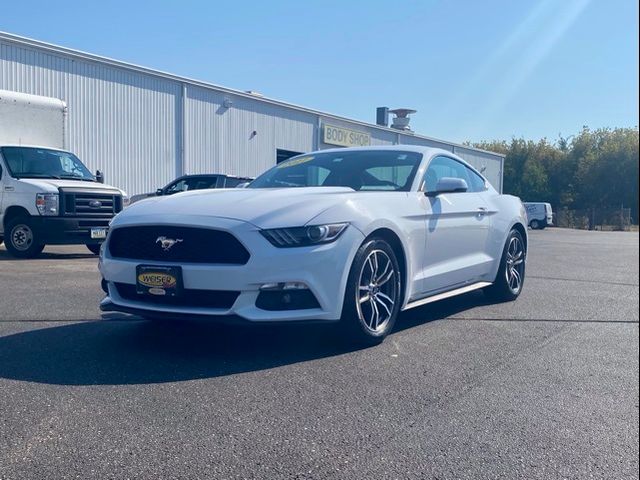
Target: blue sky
473, 69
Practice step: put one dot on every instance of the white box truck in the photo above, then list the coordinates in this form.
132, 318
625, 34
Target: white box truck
47, 195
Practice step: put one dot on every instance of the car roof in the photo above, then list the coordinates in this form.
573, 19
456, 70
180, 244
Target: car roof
397, 148
196, 175
43, 147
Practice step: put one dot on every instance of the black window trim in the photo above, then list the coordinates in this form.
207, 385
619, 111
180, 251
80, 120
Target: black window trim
484, 180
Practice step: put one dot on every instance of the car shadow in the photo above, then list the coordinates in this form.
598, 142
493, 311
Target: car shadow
125, 350
5, 256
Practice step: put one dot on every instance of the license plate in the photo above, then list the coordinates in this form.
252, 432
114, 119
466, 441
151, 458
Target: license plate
159, 281
98, 233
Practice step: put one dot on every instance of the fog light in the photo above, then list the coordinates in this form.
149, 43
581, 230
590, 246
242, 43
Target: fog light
286, 296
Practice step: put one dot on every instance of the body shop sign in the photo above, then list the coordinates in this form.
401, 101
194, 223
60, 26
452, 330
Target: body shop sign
344, 137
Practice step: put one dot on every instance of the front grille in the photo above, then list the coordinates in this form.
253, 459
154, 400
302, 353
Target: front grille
192, 245
93, 223
90, 204
223, 299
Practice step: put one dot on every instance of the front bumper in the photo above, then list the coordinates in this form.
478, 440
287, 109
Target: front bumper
323, 268
68, 230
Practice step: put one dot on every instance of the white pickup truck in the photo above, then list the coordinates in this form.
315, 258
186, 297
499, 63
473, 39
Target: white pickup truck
47, 195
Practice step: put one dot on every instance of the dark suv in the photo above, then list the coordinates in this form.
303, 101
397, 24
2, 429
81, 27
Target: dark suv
195, 182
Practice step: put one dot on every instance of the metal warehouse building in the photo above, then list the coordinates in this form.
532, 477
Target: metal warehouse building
144, 127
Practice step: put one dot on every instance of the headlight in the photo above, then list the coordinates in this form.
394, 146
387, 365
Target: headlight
304, 236
126, 201
47, 203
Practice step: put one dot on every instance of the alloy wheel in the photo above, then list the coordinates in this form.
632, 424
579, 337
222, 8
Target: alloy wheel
515, 264
377, 291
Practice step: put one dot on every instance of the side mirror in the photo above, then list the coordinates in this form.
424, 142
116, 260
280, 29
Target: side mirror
99, 176
448, 185
159, 192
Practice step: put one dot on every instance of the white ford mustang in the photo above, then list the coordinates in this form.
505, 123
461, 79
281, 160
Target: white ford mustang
354, 235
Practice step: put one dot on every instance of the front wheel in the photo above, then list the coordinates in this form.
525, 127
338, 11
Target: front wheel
510, 279
22, 240
373, 295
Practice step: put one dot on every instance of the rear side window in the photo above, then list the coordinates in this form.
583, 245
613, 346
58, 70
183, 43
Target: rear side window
476, 182
232, 182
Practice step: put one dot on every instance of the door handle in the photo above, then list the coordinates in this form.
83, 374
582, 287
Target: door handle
9, 189
482, 210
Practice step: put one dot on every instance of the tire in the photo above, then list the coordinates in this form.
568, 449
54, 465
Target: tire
22, 240
534, 224
1, 239
94, 248
373, 295
508, 285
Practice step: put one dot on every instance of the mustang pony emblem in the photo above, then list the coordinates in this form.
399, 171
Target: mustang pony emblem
167, 243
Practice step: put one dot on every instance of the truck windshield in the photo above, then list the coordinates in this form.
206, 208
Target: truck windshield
30, 162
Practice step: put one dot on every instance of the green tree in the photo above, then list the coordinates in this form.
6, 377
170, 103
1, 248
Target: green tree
596, 169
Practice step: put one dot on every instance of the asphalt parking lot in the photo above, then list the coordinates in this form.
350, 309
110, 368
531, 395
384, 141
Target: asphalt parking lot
546, 387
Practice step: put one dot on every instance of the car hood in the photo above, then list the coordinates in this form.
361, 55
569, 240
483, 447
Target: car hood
52, 184
262, 207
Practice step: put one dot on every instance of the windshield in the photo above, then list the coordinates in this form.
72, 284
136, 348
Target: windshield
370, 170
29, 162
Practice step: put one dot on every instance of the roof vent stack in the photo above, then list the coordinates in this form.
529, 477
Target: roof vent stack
401, 119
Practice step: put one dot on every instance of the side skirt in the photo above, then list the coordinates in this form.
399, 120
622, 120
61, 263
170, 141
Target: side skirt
449, 294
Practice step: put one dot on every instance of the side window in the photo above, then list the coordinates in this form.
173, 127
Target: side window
476, 182
232, 182
201, 183
177, 187
441, 167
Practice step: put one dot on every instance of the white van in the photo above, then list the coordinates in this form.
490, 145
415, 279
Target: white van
539, 214
47, 195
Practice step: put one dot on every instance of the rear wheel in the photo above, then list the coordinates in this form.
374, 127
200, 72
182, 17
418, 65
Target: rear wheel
510, 279
373, 296
22, 240
94, 248
535, 224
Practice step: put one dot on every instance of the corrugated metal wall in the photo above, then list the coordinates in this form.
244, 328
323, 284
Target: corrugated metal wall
128, 121
122, 122
241, 139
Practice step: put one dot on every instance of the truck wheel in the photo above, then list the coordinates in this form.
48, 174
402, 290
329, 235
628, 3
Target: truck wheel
535, 225
94, 248
22, 240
